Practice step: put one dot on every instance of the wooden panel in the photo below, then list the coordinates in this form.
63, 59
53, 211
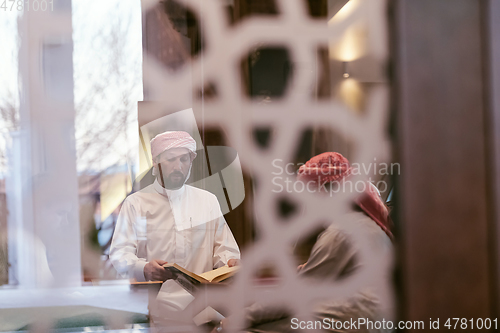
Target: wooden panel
493, 70
441, 148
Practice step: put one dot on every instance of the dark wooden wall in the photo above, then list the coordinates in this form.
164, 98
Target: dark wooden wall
444, 195
493, 70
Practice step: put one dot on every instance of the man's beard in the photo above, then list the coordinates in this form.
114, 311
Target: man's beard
170, 183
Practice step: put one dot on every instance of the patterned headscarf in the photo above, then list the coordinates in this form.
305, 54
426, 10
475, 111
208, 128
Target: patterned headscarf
324, 168
333, 167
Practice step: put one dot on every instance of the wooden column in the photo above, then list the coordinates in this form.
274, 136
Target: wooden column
492, 20
444, 198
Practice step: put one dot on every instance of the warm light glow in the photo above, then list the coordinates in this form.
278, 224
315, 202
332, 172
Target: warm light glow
114, 189
145, 162
351, 46
351, 93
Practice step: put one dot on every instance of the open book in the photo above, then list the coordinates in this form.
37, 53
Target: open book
191, 281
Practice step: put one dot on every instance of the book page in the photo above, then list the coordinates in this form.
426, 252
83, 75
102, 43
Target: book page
211, 275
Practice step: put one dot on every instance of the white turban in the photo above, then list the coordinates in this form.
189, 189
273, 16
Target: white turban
172, 139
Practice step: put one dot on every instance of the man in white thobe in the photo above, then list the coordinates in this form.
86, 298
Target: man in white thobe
170, 222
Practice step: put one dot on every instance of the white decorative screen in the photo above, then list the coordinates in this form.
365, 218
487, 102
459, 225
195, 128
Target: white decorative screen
357, 112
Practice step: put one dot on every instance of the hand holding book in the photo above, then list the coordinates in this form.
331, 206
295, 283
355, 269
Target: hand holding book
233, 262
154, 271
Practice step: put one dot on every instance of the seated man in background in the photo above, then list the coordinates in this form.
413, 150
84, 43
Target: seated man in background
170, 222
334, 256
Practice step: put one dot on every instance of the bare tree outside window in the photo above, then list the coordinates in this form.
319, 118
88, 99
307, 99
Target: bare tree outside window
108, 84
107, 73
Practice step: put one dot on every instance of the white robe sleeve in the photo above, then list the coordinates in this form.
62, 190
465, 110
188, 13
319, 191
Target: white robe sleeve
123, 251
225, 246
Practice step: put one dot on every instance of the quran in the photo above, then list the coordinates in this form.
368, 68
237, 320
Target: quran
191, 281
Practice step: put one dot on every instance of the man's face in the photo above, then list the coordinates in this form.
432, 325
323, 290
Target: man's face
173, 167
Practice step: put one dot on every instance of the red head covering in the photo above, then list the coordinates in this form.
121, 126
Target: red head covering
333, 167
324, 168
